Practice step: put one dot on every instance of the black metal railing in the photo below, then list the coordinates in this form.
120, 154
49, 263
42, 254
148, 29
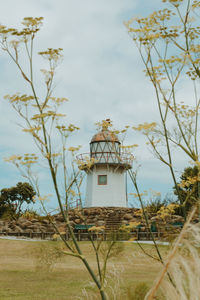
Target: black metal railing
106, 157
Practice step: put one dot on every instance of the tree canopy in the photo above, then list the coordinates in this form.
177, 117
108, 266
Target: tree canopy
14, 197
188, 187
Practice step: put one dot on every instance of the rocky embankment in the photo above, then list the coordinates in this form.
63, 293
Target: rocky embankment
98, 216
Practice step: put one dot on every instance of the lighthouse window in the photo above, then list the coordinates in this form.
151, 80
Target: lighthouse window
102, 179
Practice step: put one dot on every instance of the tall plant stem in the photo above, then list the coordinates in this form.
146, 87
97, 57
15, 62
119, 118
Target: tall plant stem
133, 179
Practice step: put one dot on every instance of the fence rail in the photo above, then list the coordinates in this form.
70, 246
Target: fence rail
85, 236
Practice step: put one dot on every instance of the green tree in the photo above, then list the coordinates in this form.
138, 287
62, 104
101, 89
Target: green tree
188, 187
13, 198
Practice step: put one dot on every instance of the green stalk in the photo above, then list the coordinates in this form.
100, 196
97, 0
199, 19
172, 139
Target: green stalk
133, 178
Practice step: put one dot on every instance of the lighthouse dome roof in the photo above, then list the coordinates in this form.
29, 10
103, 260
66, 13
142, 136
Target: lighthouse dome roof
105, 135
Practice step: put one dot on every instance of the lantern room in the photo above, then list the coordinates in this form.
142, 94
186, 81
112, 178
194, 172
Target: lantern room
105, 147
105, 166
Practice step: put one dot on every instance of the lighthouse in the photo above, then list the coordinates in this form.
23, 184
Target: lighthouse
106, 166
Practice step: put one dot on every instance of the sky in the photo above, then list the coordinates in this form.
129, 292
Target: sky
101, 75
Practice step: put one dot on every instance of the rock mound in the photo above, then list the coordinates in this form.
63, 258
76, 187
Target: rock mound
97, 216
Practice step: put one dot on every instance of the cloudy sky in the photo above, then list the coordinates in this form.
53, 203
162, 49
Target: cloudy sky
101, 75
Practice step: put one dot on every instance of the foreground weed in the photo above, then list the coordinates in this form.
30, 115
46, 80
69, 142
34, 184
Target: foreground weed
46, 256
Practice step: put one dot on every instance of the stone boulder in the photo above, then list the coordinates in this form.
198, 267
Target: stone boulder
59, 218
100, 223
18, 229
26, 224
35, 221
77, 221
45, 221
127, 217
2, 223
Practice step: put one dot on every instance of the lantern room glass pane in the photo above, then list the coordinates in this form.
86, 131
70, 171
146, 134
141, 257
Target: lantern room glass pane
102, 179
105, 152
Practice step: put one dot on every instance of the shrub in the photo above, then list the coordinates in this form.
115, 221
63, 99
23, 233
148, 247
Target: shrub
46, 256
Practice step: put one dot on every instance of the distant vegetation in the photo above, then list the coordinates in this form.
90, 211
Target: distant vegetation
13, 198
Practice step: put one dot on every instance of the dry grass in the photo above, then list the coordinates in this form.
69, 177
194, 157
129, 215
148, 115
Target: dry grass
183, 264
20, 279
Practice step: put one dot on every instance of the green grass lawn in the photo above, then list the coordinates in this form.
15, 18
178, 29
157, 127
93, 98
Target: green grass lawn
24, 272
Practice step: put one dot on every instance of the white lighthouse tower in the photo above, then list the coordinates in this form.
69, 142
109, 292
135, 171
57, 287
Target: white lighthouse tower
106, 184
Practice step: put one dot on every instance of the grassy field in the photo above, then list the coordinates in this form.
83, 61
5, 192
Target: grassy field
32, 270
